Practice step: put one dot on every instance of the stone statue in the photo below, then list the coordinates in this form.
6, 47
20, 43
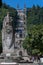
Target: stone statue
7, 35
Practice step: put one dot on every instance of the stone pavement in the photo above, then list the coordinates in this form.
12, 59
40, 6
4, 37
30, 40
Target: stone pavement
24, 64
28, 64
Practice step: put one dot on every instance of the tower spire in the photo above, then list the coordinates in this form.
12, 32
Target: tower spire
24, 5
17, 6
25, 8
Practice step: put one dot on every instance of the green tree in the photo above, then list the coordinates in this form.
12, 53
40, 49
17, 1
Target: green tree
34, 40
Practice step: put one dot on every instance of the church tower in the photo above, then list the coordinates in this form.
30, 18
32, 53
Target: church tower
20, 30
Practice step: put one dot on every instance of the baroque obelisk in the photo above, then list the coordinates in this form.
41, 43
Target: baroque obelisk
7, 35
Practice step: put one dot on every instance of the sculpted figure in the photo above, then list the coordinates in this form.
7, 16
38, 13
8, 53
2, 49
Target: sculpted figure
7, 35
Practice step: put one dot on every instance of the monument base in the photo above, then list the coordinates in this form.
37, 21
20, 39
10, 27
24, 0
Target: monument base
14, 57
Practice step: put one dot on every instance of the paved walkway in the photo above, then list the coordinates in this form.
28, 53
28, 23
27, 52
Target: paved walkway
24, 64
28, 64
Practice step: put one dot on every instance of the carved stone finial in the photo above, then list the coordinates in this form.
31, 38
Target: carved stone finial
7, 35
17, 6
24, 5
7, 14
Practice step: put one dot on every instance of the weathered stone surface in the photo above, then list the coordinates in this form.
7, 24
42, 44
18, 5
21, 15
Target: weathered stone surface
23, 64
20, 33
5, 63
7, 35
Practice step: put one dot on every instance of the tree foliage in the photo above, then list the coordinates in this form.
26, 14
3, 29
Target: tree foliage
34, 41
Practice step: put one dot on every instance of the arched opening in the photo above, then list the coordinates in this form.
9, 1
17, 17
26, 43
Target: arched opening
20, 53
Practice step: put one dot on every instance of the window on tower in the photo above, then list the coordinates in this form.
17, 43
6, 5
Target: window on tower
20, 35
23, 17
24, 22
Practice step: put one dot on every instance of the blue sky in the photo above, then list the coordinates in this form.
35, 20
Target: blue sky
29, 3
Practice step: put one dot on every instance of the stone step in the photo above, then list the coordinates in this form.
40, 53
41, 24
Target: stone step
11, 63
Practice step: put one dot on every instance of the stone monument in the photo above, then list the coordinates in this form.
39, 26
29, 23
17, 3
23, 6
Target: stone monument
12, 46
7, 36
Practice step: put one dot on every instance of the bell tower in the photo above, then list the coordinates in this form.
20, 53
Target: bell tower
20, 31
17, 6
